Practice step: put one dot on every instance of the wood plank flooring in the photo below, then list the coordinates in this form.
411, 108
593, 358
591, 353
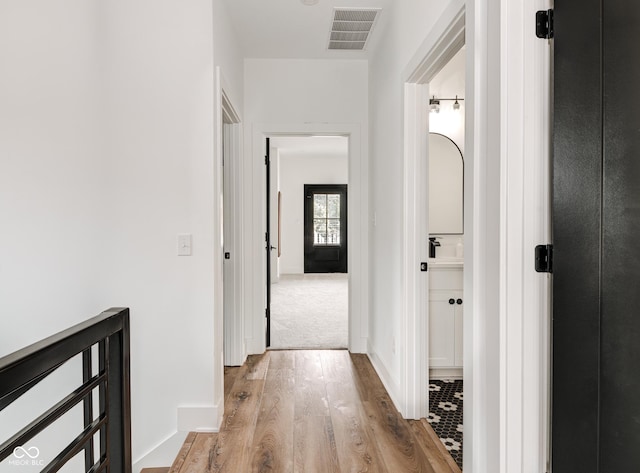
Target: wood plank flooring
311, 411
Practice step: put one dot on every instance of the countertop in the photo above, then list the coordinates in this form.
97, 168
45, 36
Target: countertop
445, 263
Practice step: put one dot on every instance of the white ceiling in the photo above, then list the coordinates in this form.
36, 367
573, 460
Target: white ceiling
299, 145
290, 29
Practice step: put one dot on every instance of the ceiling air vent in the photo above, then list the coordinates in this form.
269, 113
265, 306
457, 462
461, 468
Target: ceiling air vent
352, 27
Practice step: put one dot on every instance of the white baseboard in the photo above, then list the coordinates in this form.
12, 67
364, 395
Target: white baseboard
445, 373
199, 419
190, 419
386, 378
162, 455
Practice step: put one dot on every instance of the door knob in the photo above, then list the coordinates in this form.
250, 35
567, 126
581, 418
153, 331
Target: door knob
452, 301
459, 301
273, 247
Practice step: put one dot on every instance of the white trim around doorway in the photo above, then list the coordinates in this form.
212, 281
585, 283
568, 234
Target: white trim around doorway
255, 224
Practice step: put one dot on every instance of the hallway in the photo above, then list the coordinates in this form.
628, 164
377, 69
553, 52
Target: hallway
312, 411
120, 121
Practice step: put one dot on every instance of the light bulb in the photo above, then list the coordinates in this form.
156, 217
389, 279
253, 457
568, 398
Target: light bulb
434, 105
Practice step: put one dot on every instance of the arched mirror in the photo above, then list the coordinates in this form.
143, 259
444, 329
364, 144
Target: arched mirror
446, 186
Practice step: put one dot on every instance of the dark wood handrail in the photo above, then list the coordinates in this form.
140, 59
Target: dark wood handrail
25, 368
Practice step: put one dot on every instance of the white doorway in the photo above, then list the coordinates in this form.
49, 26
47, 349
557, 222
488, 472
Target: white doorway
445, 294
447, 38
506, 302
308, 306
445, 201
255, 228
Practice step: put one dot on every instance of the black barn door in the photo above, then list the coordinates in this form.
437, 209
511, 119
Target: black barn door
325, 228
596, 226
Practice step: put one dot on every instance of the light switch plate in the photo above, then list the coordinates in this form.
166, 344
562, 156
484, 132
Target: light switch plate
184, 244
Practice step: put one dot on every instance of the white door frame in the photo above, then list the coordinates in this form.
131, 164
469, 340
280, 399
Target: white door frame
255, 227
218, 261
445, 40
234, 348
507, 201
525, 214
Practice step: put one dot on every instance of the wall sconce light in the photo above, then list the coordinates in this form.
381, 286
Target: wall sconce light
434, 103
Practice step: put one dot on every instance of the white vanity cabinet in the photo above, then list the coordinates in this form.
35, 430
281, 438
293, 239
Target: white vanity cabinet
446, 305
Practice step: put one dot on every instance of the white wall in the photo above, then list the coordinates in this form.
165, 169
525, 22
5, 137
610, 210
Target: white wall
287, 91
298, 95
160, 164
161, 157
228, 55
51, 188
274, 155
409, 24
51, 163
107, 144
296, 170
448, 83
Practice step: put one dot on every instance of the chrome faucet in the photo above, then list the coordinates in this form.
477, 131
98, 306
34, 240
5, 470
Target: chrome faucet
432, 246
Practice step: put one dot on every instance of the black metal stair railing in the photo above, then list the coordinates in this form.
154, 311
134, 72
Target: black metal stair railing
24, 369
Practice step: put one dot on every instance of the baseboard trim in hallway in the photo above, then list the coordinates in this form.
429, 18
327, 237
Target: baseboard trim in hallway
312, 411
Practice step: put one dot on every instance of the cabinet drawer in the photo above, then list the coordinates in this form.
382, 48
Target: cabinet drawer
445, 278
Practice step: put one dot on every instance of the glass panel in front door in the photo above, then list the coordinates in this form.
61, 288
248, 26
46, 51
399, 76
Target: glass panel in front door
326, 219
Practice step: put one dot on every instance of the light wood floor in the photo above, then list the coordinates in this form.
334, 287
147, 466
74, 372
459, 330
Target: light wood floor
313, 412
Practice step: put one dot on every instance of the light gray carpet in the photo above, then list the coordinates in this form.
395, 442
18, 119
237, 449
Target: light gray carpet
310, 311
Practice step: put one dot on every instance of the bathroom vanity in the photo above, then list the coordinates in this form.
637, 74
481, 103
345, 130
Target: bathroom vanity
446, 306
445, 265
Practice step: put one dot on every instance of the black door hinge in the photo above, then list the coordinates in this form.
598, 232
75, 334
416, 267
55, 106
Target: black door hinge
266, 160
544, 24
544, 258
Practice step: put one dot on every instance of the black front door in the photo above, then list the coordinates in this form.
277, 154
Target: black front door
325, 228
596, 225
